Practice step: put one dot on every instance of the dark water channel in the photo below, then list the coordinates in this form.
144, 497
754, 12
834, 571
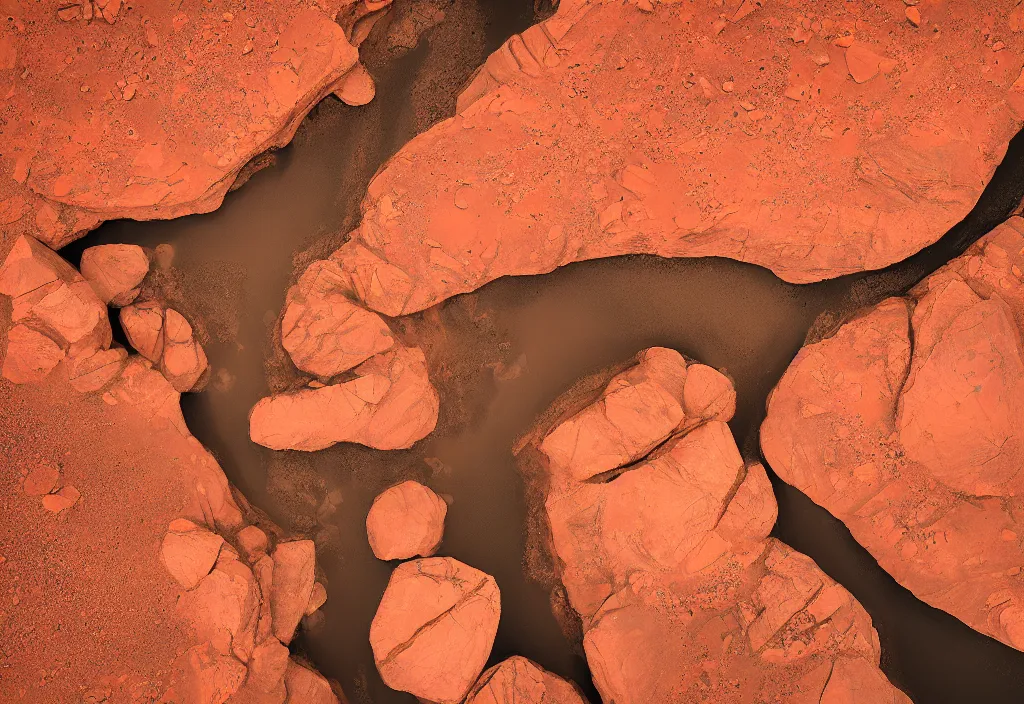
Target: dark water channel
499, 357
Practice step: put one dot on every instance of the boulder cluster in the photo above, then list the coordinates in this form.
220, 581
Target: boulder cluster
660, 532
435, 626
60, 315
244, 599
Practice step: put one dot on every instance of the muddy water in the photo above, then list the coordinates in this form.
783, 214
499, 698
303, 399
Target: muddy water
499, 357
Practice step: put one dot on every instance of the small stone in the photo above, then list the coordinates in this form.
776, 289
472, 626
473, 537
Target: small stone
128, 93
42, 479
357, 87
70, 13
63, 499
844, 42
862, 63
253, 542
247, 48
914, 16
729, 86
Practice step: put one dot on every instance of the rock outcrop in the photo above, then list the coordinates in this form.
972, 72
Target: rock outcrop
434, 628
519, 681
159, 108
389, 405
406, 521
667, 560
829, 145
908, 425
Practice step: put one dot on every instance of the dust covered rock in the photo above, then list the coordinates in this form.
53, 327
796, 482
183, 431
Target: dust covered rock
908, 425
405, 521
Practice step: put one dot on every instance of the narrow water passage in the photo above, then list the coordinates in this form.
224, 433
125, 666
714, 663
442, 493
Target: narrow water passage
499, 357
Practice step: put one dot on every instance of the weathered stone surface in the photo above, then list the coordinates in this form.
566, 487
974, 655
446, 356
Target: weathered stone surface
908, 425
224, 607
55, 312
434, 628
294, 572
835, 148
323, 331
100, 134
268, 665
519, 681
209, 677
253, 542
42, 479
667, 561
95, 371
389, 405
405, 521
306, 686
115, 271
189, 552
357, 87
184, 360
30, 356
62, 500
317, 598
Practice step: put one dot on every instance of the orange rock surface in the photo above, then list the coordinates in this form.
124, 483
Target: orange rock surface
406, 521
519, 681
812, 144
667, 560
389, 405
149, 110
908, 425
433, 631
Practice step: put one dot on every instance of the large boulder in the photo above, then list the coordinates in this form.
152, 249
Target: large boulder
405, 521
434, 628
115, 271
908, 425
323, 331
389, 405
833, 143
163, 336
224, 607
157, 114
519, 681
306, 686
667, 559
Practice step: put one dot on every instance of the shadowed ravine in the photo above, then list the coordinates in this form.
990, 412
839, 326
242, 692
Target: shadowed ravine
499, 357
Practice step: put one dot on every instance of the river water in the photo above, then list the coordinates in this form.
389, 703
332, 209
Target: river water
499, 357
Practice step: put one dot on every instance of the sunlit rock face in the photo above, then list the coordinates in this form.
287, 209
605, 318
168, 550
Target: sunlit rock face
149, 110
664, 553
812, 144
908, 425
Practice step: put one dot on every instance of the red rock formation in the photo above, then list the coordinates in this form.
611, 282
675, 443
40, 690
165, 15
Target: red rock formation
405, 521
666, 557
389, 405
115, 271
158, 108
56, 313
908, 425
323, 331
164, 337
434, 628
519, 681
831, 143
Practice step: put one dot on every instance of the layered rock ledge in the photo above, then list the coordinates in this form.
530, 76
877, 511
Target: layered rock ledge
811, 141
908, 426
148, 110
666, 557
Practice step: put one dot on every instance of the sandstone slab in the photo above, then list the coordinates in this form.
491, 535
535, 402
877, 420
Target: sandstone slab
602, 131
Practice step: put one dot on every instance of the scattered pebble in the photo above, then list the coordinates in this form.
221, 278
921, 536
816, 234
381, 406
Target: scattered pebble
728, 86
